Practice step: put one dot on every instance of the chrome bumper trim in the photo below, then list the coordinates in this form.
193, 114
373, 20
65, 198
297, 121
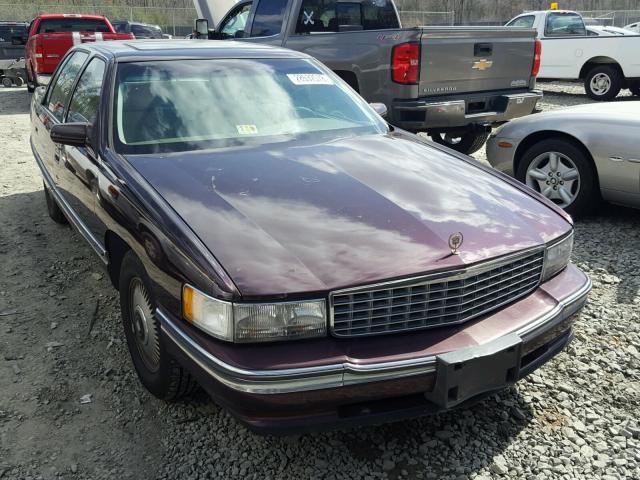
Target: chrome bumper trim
452, 113
266, 382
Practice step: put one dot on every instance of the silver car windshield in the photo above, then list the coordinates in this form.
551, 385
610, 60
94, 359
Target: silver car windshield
171, 106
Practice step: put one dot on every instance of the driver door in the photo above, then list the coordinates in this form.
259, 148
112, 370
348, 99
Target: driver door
78, 167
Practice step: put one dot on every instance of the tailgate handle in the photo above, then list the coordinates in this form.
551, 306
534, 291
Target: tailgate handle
483, 49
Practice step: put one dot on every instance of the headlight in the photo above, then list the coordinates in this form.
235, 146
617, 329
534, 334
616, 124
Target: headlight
254, 322
557, 257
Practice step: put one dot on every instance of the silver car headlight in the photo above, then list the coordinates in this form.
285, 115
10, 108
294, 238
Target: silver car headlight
557, 257
254, 322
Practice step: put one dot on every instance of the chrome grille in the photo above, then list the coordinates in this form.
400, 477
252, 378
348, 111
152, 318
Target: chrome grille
442, 299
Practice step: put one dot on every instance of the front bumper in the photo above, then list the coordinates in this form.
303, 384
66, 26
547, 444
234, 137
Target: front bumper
354, 393
455, 112
502, 157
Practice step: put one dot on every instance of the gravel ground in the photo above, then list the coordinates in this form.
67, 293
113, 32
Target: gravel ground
577, 417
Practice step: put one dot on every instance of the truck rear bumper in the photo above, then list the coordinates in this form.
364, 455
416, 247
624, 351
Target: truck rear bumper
455, 112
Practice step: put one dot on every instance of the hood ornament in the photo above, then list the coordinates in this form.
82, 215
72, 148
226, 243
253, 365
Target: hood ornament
455, 242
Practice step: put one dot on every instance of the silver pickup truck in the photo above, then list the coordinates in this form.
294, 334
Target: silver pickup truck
454, 83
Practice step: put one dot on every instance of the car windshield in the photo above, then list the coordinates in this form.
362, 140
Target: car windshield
172, 106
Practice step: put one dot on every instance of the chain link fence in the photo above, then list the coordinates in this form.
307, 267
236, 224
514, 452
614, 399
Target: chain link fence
417, 18
174, 21
615, 18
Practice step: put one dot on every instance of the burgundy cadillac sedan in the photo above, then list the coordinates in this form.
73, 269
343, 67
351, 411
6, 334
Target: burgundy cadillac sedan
275, 240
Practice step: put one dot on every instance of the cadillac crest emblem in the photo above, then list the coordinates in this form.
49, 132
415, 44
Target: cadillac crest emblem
455, 242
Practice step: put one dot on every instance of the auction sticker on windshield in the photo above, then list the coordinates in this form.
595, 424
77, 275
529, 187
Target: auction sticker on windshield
309, 79
247, 129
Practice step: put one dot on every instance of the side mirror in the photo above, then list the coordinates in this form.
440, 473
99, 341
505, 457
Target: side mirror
18, 41
38, 93
202, 27
74, 134
380, 109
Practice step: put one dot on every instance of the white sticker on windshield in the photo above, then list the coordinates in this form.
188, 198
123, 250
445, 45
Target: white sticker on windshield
247, 129
309, 79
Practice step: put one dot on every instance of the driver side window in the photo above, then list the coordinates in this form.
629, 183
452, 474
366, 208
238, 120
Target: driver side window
58, 94
235, 23
86, 97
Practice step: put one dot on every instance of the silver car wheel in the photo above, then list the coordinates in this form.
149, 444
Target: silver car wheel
144, 325
600, 84
555, 176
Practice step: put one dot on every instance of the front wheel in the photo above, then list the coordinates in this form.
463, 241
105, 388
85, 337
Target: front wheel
466, 143
158, 371
31, 84
560, 171
603, 83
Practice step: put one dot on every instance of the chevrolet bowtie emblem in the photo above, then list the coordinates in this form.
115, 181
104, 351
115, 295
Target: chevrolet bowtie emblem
483, 64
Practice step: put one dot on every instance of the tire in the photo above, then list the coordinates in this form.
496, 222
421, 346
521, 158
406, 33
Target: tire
635, 88
158, 371
53, 209
6, 82
583, 189
18, 81
467, 143
603, 83
31, 85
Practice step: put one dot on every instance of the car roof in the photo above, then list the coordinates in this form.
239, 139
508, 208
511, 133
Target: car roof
137, 50
70, 15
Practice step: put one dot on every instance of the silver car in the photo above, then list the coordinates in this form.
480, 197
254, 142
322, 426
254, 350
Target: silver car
574, 156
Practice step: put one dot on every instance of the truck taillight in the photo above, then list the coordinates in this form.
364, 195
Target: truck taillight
38, 55
405, 63
537, 58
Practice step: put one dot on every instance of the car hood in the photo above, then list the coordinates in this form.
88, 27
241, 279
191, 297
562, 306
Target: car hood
300, 217
623, 110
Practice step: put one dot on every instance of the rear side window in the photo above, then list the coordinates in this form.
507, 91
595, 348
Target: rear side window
55, 25
563, 24
86, 97
7, 32
333, 16
522, 22
268, 18
61, 89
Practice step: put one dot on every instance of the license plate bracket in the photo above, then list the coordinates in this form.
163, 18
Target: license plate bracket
466, 373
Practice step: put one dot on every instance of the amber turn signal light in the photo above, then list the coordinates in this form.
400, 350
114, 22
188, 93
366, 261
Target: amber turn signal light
505, 145
187, 303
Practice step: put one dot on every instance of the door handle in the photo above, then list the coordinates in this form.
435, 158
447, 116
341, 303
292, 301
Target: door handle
56, 157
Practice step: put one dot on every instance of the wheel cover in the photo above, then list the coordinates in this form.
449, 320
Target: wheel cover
600, 84
555, 176
144, 325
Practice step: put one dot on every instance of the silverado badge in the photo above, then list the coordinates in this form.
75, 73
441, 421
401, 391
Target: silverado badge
455, 242
482, 65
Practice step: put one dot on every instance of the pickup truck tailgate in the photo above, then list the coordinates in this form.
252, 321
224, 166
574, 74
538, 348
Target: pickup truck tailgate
475, 59
55, 45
